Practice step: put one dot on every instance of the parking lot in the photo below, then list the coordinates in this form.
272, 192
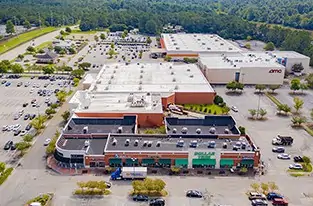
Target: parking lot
11, 104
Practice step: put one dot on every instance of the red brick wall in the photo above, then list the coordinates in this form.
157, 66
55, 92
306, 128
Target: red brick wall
162, 43
167, 100
237, 157
194, 97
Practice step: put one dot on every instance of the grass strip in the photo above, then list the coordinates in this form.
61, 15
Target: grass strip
273, 99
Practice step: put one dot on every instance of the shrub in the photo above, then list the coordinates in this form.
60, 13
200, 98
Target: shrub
209, 111
205, 110
306, 160
242, 130
42, 199
5, 175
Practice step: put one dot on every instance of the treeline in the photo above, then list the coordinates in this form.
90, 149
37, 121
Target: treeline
204, 16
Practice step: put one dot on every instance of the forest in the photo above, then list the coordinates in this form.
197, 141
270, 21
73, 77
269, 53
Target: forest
234, 19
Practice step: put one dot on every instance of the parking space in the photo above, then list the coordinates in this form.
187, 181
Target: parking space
262, 132
12, 110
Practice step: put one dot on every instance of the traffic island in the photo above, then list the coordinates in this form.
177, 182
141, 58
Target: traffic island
149, 187
94, 189
43, 199
305, 171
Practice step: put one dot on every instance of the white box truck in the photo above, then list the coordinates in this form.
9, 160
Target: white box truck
129, 173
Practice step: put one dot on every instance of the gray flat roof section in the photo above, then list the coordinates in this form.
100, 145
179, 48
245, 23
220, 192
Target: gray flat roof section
167, 144
106, 129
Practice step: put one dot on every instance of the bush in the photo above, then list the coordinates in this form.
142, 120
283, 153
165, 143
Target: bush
306, 160
42, 199
5, 175
242, 130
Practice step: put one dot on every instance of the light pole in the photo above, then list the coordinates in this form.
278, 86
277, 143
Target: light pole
258, 105
134, 159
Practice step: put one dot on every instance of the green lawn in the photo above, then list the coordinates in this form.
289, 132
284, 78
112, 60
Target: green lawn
23, 38
78, 31
205, 108
43, 45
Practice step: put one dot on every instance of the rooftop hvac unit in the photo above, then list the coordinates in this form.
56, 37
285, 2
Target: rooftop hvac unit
149, 143
114, 142
174, 130
140, 88
116, 66
142, 66
86, 143
208, 48
172, 73
170, 67
198, 131
145, 143
140, 82
184, 130
158, 144
188, 70
98, 82
222, 44
174, 80
230, 48
119, 129
212, 130
226, 131
191, 76
109, 82
112, 77
141, 71
127, 142
106, 88
160, 63
136, 142
176, 87
195, 35
85, 130
234, 65
199, 39
130, 98
148, 94
175, 44
203, 43
177, 48
140, 76
114, 71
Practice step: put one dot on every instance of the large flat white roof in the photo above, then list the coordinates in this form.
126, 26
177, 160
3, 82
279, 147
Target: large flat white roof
150, 77
287, 54
197, 43
239, 60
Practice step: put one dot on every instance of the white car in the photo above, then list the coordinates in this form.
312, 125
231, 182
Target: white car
47, 141
10, 128
31, 91
5, 128
47, 100
16, 127
235, 109
284, 156
296, 166
23, 132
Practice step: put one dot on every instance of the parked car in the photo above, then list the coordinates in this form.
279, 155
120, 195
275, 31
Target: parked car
235, 109
33, 101
259, 202
296, 166
256, 195
25, 104
3, 82
16, 117
140, 198
13, 147
8, 145
16, 127
157, 202
28, 127
5, 128
194, 193
26, 117
7, 84
47, 141
284, 156
273, 195
298, 159
280, 202
19, 84
32, 116
278, 149
17, 132
23, 132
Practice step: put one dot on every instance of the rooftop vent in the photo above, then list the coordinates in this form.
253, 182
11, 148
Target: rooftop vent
127, 142
119, 129
184, 130
174, 130
140, 82
160, 63
230, 48
112, 77
114, 142
116, 66
176, 87
158, 144
136, 142
170, 67
109, 82
198, 131
172, 73
145, 143
142, 66
85, 130
87, 143
114, 71
226, 131
203, 43
148, 94
212, 130
208, 48
149, 143
138, 63
174, 80
191, 76
140, 76
141, 71
177, 48
195, 35
175, 44
130, 98
140, 88
188, 70
222, 44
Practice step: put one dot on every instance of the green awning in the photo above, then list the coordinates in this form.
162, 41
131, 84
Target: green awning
181, 162
228, 162
165, 161
130, 161
115, 161
247, 162
203, 162
147, 161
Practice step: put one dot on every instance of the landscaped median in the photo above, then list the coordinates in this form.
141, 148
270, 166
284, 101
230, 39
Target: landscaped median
149, 187
273, 99
92, 188
43, 199
306, 168
4, 172
23, 38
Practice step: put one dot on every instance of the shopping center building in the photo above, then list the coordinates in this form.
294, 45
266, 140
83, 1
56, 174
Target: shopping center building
211, 142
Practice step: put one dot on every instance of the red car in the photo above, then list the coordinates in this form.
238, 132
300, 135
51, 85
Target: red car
280, 202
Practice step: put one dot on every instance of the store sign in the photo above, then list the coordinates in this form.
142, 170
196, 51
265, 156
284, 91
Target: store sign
205, 155
275, 71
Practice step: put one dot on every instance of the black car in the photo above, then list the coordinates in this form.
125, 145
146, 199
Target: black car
298, 159
32, 116
25, 104
3, 82
26, 117
140, 198
157, 202
19, 84
32, 77
278, 149
8, 145
17, 132
56, 91
13, 147
28, 127
194, 193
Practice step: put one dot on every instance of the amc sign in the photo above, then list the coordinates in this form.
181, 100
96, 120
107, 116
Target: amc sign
275, 71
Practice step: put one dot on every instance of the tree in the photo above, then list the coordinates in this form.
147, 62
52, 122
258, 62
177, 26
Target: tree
149, 40
21, 146
61, 96
17, 69
167, 58
249, 38
264, 188
48, 69
112, 45
71, 50
303, 87
58, 49
78, 73
27, 25
298, 120
66, 115
284, 107
231, 85
31, 49
84, 66
309, 80
124, 34
28, 138
248, 45
252, 112
297, 68
102, 36
218, 100
4, 66
76, 82
269, 46
38, 123
225, 110
295, 84
242, 130
255, 187
273, 87
151, 27
9, 27
111, 53
260, 87
298, 104
68, 29
262, 112
2, 167
96, 38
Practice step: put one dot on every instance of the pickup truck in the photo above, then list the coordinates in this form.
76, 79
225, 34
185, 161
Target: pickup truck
282, 140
